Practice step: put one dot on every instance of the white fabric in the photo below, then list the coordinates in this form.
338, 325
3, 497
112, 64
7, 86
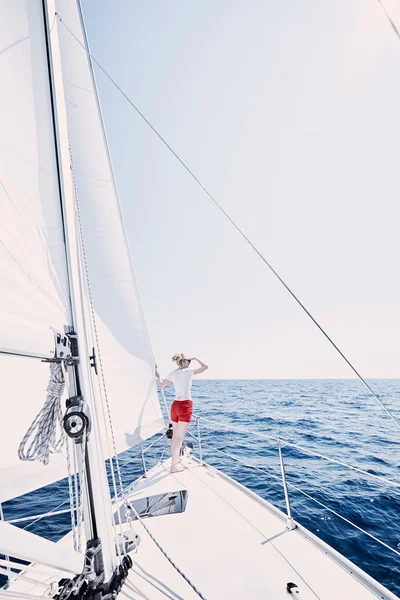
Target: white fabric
126, 354
32, 548
34, 285
182, 380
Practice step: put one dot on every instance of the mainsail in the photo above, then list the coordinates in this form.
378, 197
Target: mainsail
124, 356
35, 291
34, 283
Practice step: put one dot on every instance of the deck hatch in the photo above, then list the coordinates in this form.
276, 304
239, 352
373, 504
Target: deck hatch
154, 506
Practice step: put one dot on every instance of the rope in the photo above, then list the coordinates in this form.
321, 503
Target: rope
43, 429
169, 559
236, 226
172, 596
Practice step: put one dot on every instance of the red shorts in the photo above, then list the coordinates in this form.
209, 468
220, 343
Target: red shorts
181, 410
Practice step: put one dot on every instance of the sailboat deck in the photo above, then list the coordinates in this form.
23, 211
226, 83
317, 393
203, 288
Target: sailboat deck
229, 543
232, 544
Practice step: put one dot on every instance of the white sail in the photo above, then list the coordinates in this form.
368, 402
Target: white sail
31, 547
34, 284
124, 355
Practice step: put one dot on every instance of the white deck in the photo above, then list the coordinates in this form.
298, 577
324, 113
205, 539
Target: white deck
232, 545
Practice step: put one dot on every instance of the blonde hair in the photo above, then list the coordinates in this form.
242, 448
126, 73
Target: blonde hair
179, 358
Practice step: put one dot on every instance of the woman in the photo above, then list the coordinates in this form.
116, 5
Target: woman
182, 406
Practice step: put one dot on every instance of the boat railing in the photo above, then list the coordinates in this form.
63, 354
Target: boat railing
281, 444
210, 425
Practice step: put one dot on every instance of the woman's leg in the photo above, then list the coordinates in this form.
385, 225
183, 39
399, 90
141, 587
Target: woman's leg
179, 433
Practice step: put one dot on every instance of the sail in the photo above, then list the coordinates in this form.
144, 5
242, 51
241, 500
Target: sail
34, 283
124, 356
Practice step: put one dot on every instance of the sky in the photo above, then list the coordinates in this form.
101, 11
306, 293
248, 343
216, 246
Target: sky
288, 113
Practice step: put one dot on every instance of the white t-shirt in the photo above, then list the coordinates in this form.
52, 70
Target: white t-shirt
182, 380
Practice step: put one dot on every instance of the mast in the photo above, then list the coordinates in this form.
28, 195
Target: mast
97, 508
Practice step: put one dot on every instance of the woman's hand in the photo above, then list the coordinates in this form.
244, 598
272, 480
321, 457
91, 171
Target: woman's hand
203, 366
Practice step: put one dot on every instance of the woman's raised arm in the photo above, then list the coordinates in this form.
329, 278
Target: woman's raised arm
203, 366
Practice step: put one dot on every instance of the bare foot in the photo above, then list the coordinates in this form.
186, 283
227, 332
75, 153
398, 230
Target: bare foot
177, 469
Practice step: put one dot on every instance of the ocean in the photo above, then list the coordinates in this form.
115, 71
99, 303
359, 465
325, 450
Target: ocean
336, 418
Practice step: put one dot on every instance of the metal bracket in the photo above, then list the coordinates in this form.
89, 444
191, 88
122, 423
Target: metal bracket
127, 542
65, 348
93, 361
74, 344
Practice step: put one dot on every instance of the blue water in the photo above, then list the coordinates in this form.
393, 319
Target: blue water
337, 418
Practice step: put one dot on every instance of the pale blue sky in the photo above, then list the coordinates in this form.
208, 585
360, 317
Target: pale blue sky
288, 111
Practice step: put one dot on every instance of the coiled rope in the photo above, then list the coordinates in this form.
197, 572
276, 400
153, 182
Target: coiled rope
45, 435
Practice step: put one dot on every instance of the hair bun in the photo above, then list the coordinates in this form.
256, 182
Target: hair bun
179, 358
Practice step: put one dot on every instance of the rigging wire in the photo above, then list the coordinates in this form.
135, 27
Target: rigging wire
235, 225
231, 428
389, 18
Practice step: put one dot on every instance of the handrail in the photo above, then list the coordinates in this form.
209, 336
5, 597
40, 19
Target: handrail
49, 512
55, 512
303, 449
290, 524
21, 567
162, 436
230, 427
41, 516
24, 577
338, 462
307, 495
